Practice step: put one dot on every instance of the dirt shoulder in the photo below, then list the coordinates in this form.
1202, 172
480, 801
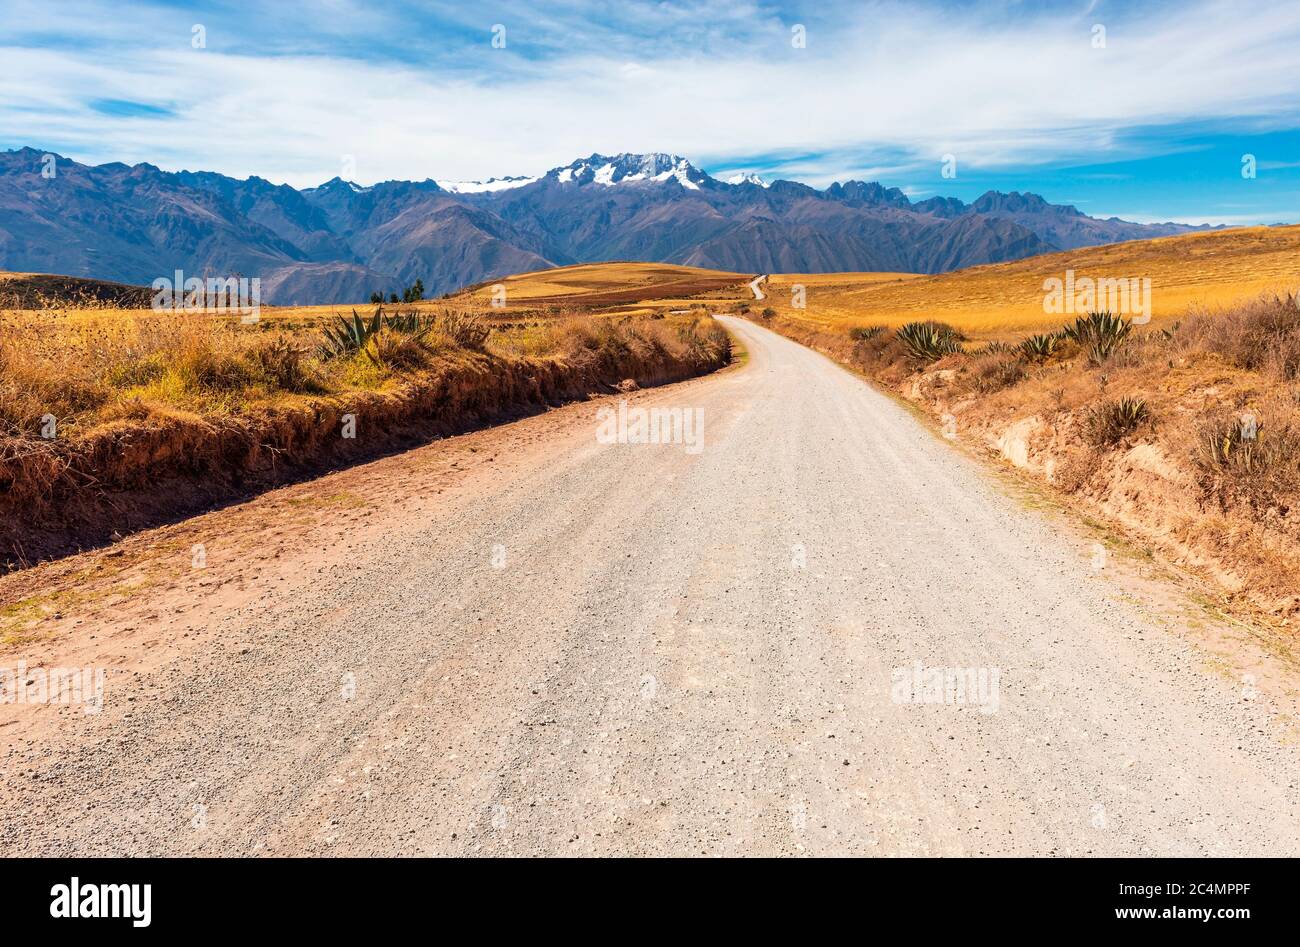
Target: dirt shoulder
1150, 482
141, 463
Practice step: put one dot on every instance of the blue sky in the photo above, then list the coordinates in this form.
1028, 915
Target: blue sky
1141, 110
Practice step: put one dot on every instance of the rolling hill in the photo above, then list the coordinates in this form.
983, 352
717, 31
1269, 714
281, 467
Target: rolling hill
339, 242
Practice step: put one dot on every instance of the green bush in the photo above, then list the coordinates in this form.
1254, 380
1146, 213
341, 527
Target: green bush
1039, 348
1099, 334
929, 341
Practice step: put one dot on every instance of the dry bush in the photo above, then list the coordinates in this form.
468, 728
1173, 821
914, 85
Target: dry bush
1248, 459
880, 353
704, 341
465, 329
1076, 469
395, 351
994, 372
210, 363
1109, 422
1260, 335
281, 363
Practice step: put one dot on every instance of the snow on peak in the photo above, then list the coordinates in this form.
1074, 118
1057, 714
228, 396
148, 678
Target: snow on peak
631, 168
336, 183
488, 186
747, 178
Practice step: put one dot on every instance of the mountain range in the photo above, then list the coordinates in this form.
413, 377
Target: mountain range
339, 242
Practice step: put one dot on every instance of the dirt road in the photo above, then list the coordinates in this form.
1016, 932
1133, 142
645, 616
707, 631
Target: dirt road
529, 641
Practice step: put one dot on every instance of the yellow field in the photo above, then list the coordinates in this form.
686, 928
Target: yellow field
1005, 299
995, 301
619, 285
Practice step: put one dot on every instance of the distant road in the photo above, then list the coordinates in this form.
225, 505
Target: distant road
526, 641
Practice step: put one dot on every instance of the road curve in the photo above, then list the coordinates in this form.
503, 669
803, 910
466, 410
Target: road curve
622, 648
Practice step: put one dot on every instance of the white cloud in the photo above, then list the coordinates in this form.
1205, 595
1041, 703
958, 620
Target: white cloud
875, 85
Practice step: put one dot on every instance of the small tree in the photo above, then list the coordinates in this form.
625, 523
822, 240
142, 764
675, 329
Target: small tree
376, 298
413, 293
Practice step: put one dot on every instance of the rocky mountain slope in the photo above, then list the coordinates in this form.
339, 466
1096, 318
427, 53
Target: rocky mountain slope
339, 242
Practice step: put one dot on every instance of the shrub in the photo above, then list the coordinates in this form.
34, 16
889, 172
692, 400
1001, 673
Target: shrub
1109, 422
768, 312
280, 362
1249, 460
863, 333
395, 351
1099, 334
929, 341
136, 371
995, 372
203, 364
1261, 335
705, 342
466, 329
1039, 348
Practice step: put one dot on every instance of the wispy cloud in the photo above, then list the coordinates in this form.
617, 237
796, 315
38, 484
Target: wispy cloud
879, 90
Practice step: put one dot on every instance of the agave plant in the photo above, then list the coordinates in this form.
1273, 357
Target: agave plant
864, 333
929, 341
1040, 348
1111, 421
1229, 441
349, 336
1101, 333
410, 323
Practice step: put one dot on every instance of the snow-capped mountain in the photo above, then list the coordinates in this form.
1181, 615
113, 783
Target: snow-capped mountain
746, 178
631, 169
341, 241
485, 187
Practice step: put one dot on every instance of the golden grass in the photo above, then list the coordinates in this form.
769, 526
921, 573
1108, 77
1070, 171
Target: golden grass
642, 280
1180, 470
137, 398
87, 368
1004, 299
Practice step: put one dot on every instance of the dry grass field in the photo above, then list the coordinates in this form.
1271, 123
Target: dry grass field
1141, 428
1002, 300
96, 401
86, 361
1183, 432
619, 284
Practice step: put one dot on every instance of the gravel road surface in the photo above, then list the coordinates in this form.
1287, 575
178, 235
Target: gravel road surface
820, 629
